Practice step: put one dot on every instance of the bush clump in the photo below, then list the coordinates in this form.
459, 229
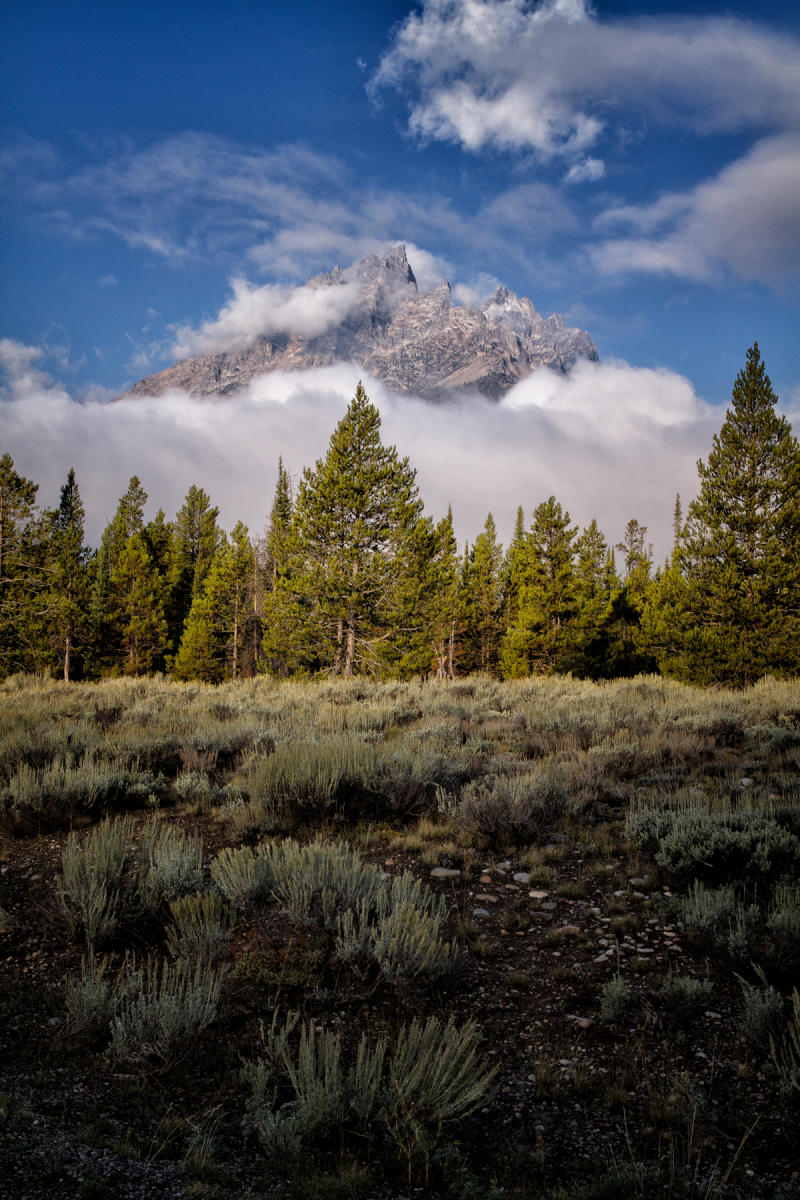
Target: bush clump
691, 843
106, 882
433, 1074
161, 1011
513, 808
200, 927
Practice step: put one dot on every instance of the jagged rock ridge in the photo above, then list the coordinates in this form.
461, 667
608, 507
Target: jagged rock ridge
415, 342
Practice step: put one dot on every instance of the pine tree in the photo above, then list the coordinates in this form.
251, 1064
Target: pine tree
21, 570
730, 609
137, 597
628, 652
67, 575
444, 615
514, 571
481, 595
352, 533
195, 541
539, 640
596, 583
104, 650
279, 527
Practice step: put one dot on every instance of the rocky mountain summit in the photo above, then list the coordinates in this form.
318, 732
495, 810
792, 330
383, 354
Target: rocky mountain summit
414, 342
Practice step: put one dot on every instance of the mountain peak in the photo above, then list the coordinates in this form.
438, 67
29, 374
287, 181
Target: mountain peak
414, 342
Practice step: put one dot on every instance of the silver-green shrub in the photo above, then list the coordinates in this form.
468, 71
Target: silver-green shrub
682, 995
407, 937
95, 890
691, 842
90, 996
245, 875
785, 1052
783, 924
726, 922
170, 864
53, 794
201, 926
163, 1011
433, 1074
615, 999
514, 807
438, 1070
762, 1010
318, 882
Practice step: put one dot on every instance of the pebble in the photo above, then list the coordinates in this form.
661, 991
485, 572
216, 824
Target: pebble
484, 898
548, 905
522, 877
569, 930
536, 895
637, 882
444, 873
485, 879
480, 912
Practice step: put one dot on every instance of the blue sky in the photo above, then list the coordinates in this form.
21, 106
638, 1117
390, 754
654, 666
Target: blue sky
635, 167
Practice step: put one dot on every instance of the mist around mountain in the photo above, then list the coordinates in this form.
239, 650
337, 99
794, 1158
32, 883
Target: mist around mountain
373, 314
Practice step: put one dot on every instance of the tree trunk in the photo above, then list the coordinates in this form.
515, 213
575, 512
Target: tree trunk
236, 638
67, 654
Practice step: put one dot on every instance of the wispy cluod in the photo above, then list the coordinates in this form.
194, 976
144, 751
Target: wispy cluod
255, 312
609, 440
554, 77
745, 220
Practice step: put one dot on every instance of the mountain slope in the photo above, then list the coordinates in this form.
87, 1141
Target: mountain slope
414, 342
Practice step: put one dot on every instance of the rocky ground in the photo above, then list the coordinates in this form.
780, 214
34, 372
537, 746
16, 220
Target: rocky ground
594, 1098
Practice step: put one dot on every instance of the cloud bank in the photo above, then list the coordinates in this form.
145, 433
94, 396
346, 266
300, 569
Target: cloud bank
610, 441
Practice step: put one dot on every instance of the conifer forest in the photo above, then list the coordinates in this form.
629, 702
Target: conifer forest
351, 578
346, 862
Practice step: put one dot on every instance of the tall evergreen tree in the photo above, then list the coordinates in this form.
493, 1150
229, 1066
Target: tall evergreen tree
280, 526
215, 635
444, 615
137, 598
195, 541
67, 575
480, 602
21, 569
596, 583
628, 655
729, 611
352, 532
540, 638
514, 570
104, 649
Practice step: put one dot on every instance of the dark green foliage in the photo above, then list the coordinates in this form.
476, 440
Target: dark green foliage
479, 602
21, 563
539, 639
67, 586
219, 626
728, 609
350, 546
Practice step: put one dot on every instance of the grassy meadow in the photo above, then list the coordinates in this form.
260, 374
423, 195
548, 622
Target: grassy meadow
536, 938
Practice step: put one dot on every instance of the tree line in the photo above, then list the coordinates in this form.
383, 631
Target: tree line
351, 577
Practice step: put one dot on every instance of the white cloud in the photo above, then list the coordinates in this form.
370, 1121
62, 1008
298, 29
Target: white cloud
610, 441
256, 312
746, 220
588, 170
554, 77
